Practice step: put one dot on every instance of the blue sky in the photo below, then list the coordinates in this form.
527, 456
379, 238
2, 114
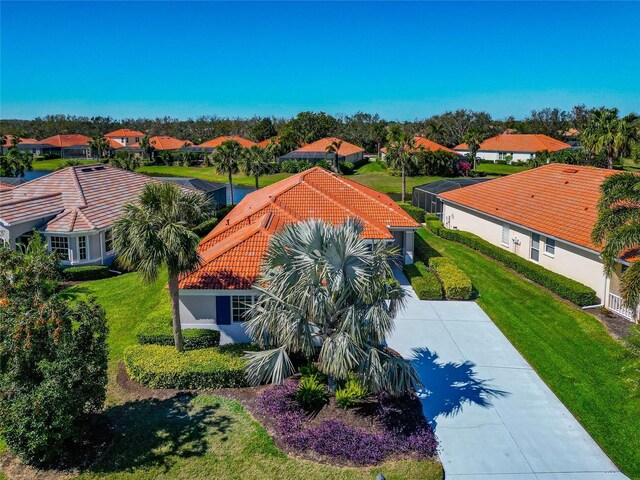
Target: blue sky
402, 60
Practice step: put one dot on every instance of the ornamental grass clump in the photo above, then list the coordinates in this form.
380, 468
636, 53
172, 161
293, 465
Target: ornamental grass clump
351, 393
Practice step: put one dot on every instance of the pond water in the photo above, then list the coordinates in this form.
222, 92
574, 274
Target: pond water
239, 192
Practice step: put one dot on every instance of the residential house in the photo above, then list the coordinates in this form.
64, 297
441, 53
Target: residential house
74, 208
424, 143
216, 192
64, 146
163, 142
125, 137
9, 143
316, 151
216, 142
545, 215
514, 147
218, 293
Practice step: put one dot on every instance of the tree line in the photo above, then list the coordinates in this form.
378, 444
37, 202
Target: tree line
364, 129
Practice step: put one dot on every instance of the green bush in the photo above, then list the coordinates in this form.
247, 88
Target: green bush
161, 333
416, 213
422, 250
311, 394
88, 272
289, 166
205, 227
351, 393
564, 287
424, 282
455, 283
157, 366
347, 168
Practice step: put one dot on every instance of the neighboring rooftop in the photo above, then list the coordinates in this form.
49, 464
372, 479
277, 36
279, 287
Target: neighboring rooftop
124, 132
321, 145
85, 197
69, 140
232, 253
163, 142
426, 144
195, 183
556, 200
520, 143
225, 138
9, 138
266, 142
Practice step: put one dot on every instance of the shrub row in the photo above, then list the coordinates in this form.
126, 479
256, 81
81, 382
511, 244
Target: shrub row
205, 227
423, 281
157, 366
88, 272
455, 283
414, 212
154, 333
564, 287
422, 250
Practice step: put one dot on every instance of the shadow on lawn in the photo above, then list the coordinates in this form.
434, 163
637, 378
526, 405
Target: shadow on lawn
447, 387
156, 433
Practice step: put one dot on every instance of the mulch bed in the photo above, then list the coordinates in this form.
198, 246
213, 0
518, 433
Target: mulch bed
617, 326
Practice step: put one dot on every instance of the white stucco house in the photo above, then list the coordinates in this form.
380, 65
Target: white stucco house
125, 137
220, 291
514, 147
546, 216
73, 208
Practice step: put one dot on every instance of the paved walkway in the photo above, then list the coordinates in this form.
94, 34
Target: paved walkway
493, 415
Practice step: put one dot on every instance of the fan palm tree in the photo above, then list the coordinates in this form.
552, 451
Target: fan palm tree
473, 139
226, 159
436, 131
328, 295
607, 134
255, 162
15, 163
156, 231
401, 153
617, 229
99, 145
334, 148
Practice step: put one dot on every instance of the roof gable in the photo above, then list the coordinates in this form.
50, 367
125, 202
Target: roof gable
321, 145
519, 142
219, 140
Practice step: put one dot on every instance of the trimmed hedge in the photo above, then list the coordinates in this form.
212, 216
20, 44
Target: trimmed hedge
562, 286
88, 272
153, 333
157, 366
424, 282
456, 283
423, 250
205, 227
416, 213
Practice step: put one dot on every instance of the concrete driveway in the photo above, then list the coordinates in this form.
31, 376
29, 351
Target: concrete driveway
493, 415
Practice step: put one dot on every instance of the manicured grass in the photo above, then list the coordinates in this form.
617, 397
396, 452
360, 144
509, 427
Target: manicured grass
54, 163
209, 173
498, 169
591, 373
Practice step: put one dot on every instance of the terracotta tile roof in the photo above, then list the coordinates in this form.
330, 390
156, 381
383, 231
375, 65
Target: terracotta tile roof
557, 200
266, 142
217, 141
124, 132
85, 197
66, 140
162, 142
7, 143
5, 186
427, 145
232, 252
519, 142
114, 143
321, 145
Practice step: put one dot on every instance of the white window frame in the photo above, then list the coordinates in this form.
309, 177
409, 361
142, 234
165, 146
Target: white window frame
505, 230
60, 240
532, 249
236, 308
81, 247
549, 248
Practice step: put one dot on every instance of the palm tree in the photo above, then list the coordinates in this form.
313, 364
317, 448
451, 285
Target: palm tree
3, 141
609, 135
255, 162
436, 131
473, 139
99, 144
225, 159
334, 148
147, 147
400, 153
155, 231
617, 229
330, 296
15, 163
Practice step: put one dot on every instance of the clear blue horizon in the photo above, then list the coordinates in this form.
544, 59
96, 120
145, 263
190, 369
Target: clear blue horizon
401, 60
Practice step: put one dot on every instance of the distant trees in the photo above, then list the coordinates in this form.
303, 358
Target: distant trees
262, 130
226, 159
15, 163
256, 162
608, 134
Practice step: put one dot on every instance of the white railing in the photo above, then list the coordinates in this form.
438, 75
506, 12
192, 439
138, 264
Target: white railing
617, 305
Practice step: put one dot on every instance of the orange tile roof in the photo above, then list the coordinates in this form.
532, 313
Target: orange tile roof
85, 197
266, 142
321, 145
427, 145
218, 140
7, 143
163, 142
556, 200
232, 252
124, 132
66, 140
5, 186
519, 142
114, 143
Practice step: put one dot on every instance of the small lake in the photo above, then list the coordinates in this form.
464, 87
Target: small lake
239, 191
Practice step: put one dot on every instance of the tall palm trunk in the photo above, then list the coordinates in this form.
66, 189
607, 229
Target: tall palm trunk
175, 311
257, 183
609, 162
404, 185
230, 188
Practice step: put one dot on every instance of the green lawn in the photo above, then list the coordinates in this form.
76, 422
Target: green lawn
209, 173
203, 437
592, 374
55, 163
498, 169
